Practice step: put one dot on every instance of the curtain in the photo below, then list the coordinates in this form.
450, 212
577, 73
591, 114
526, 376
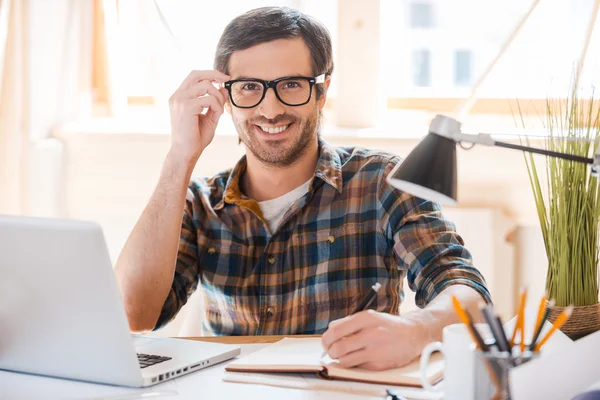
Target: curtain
13, 106
46, 58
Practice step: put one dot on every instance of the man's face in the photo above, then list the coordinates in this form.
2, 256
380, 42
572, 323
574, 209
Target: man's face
260, 127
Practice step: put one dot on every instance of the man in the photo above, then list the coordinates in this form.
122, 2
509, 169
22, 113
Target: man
291, 238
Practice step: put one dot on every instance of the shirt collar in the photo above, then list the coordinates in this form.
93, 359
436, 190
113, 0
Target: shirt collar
329, 166
329, 169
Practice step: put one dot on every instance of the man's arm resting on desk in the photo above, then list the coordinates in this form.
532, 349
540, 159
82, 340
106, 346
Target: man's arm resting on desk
380, 341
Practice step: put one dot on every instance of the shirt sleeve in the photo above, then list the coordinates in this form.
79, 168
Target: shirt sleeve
185, 280
427, 246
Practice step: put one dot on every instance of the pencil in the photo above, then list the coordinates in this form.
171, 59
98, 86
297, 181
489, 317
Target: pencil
520, 318
522, 325
466, 319
460, 311
540, 314
560, 321
540, 326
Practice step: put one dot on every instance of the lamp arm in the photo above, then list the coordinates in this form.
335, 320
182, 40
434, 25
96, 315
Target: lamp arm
450, 128
550, 153
486, 140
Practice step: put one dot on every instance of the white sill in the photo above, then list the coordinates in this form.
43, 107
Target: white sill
394, 124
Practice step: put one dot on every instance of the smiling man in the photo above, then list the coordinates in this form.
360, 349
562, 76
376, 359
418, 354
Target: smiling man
289, 239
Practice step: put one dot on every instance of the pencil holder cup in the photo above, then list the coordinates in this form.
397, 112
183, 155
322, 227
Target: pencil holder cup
492, 371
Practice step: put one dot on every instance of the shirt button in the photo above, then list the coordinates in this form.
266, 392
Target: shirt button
331, 239
212, 250
271, 260
270, 311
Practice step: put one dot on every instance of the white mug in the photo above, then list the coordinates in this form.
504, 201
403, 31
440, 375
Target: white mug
459, 361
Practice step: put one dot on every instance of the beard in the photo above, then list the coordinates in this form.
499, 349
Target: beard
280, 153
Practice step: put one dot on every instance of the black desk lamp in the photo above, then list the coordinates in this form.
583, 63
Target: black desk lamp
429, 171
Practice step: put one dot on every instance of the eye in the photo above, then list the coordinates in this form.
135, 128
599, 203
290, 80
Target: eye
292, 85
251, 86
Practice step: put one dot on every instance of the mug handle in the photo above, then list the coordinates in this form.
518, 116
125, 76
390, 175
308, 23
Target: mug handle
424, 363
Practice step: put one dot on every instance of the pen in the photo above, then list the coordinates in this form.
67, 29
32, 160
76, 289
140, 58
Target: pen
500, 326
496, 328
365, 302
391, 395
368, 299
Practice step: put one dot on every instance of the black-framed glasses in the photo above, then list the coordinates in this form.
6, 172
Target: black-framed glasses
290, 90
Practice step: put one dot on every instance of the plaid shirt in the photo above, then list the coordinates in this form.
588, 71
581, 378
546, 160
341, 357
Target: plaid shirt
350, 230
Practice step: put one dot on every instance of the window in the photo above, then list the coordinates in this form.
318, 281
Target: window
431, 51
469, 34
421, 68
463, 67
421, 15
156, 43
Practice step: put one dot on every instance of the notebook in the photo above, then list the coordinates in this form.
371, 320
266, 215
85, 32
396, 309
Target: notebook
304, 355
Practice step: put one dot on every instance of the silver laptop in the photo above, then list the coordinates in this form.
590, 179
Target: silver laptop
61, 312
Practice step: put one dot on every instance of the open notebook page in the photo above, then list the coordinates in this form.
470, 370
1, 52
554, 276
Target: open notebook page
304, 355
287, 355
408, 375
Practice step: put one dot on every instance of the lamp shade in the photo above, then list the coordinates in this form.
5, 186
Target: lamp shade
429, 171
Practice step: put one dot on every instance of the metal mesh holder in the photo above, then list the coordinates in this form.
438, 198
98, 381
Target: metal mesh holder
492, 373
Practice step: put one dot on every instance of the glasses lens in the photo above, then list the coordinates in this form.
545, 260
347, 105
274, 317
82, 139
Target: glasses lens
294, 91
246, 93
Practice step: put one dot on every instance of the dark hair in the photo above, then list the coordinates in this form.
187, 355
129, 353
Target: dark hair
271, 23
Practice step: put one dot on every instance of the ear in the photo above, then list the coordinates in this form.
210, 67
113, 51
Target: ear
323, 98
227, 104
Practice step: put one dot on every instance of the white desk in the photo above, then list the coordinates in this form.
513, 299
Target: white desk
204, 384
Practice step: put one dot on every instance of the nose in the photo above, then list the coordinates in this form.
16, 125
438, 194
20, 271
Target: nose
271, 107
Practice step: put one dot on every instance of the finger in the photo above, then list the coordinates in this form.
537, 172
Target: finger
376, 365
347, 345
360, 357
215, 115
217, 93
200, 89
225, 93
197, 76
346, 327
197, 106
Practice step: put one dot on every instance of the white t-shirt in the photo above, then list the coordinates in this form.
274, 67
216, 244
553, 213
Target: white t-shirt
274, 210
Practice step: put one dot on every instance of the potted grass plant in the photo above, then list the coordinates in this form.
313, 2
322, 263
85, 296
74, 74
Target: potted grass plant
567, 199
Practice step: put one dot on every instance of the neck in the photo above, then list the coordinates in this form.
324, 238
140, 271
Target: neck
263, 182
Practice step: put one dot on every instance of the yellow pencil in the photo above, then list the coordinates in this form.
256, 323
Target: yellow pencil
464, 318
462, 315
540, 314
560, 321
520, 312
522, 328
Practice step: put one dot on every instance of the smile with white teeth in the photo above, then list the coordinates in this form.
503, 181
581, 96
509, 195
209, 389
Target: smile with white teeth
274, 130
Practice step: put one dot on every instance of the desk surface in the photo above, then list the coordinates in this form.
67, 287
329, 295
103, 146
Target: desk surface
246, 339
204, 384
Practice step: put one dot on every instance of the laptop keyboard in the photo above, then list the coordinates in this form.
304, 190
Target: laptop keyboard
147, 360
